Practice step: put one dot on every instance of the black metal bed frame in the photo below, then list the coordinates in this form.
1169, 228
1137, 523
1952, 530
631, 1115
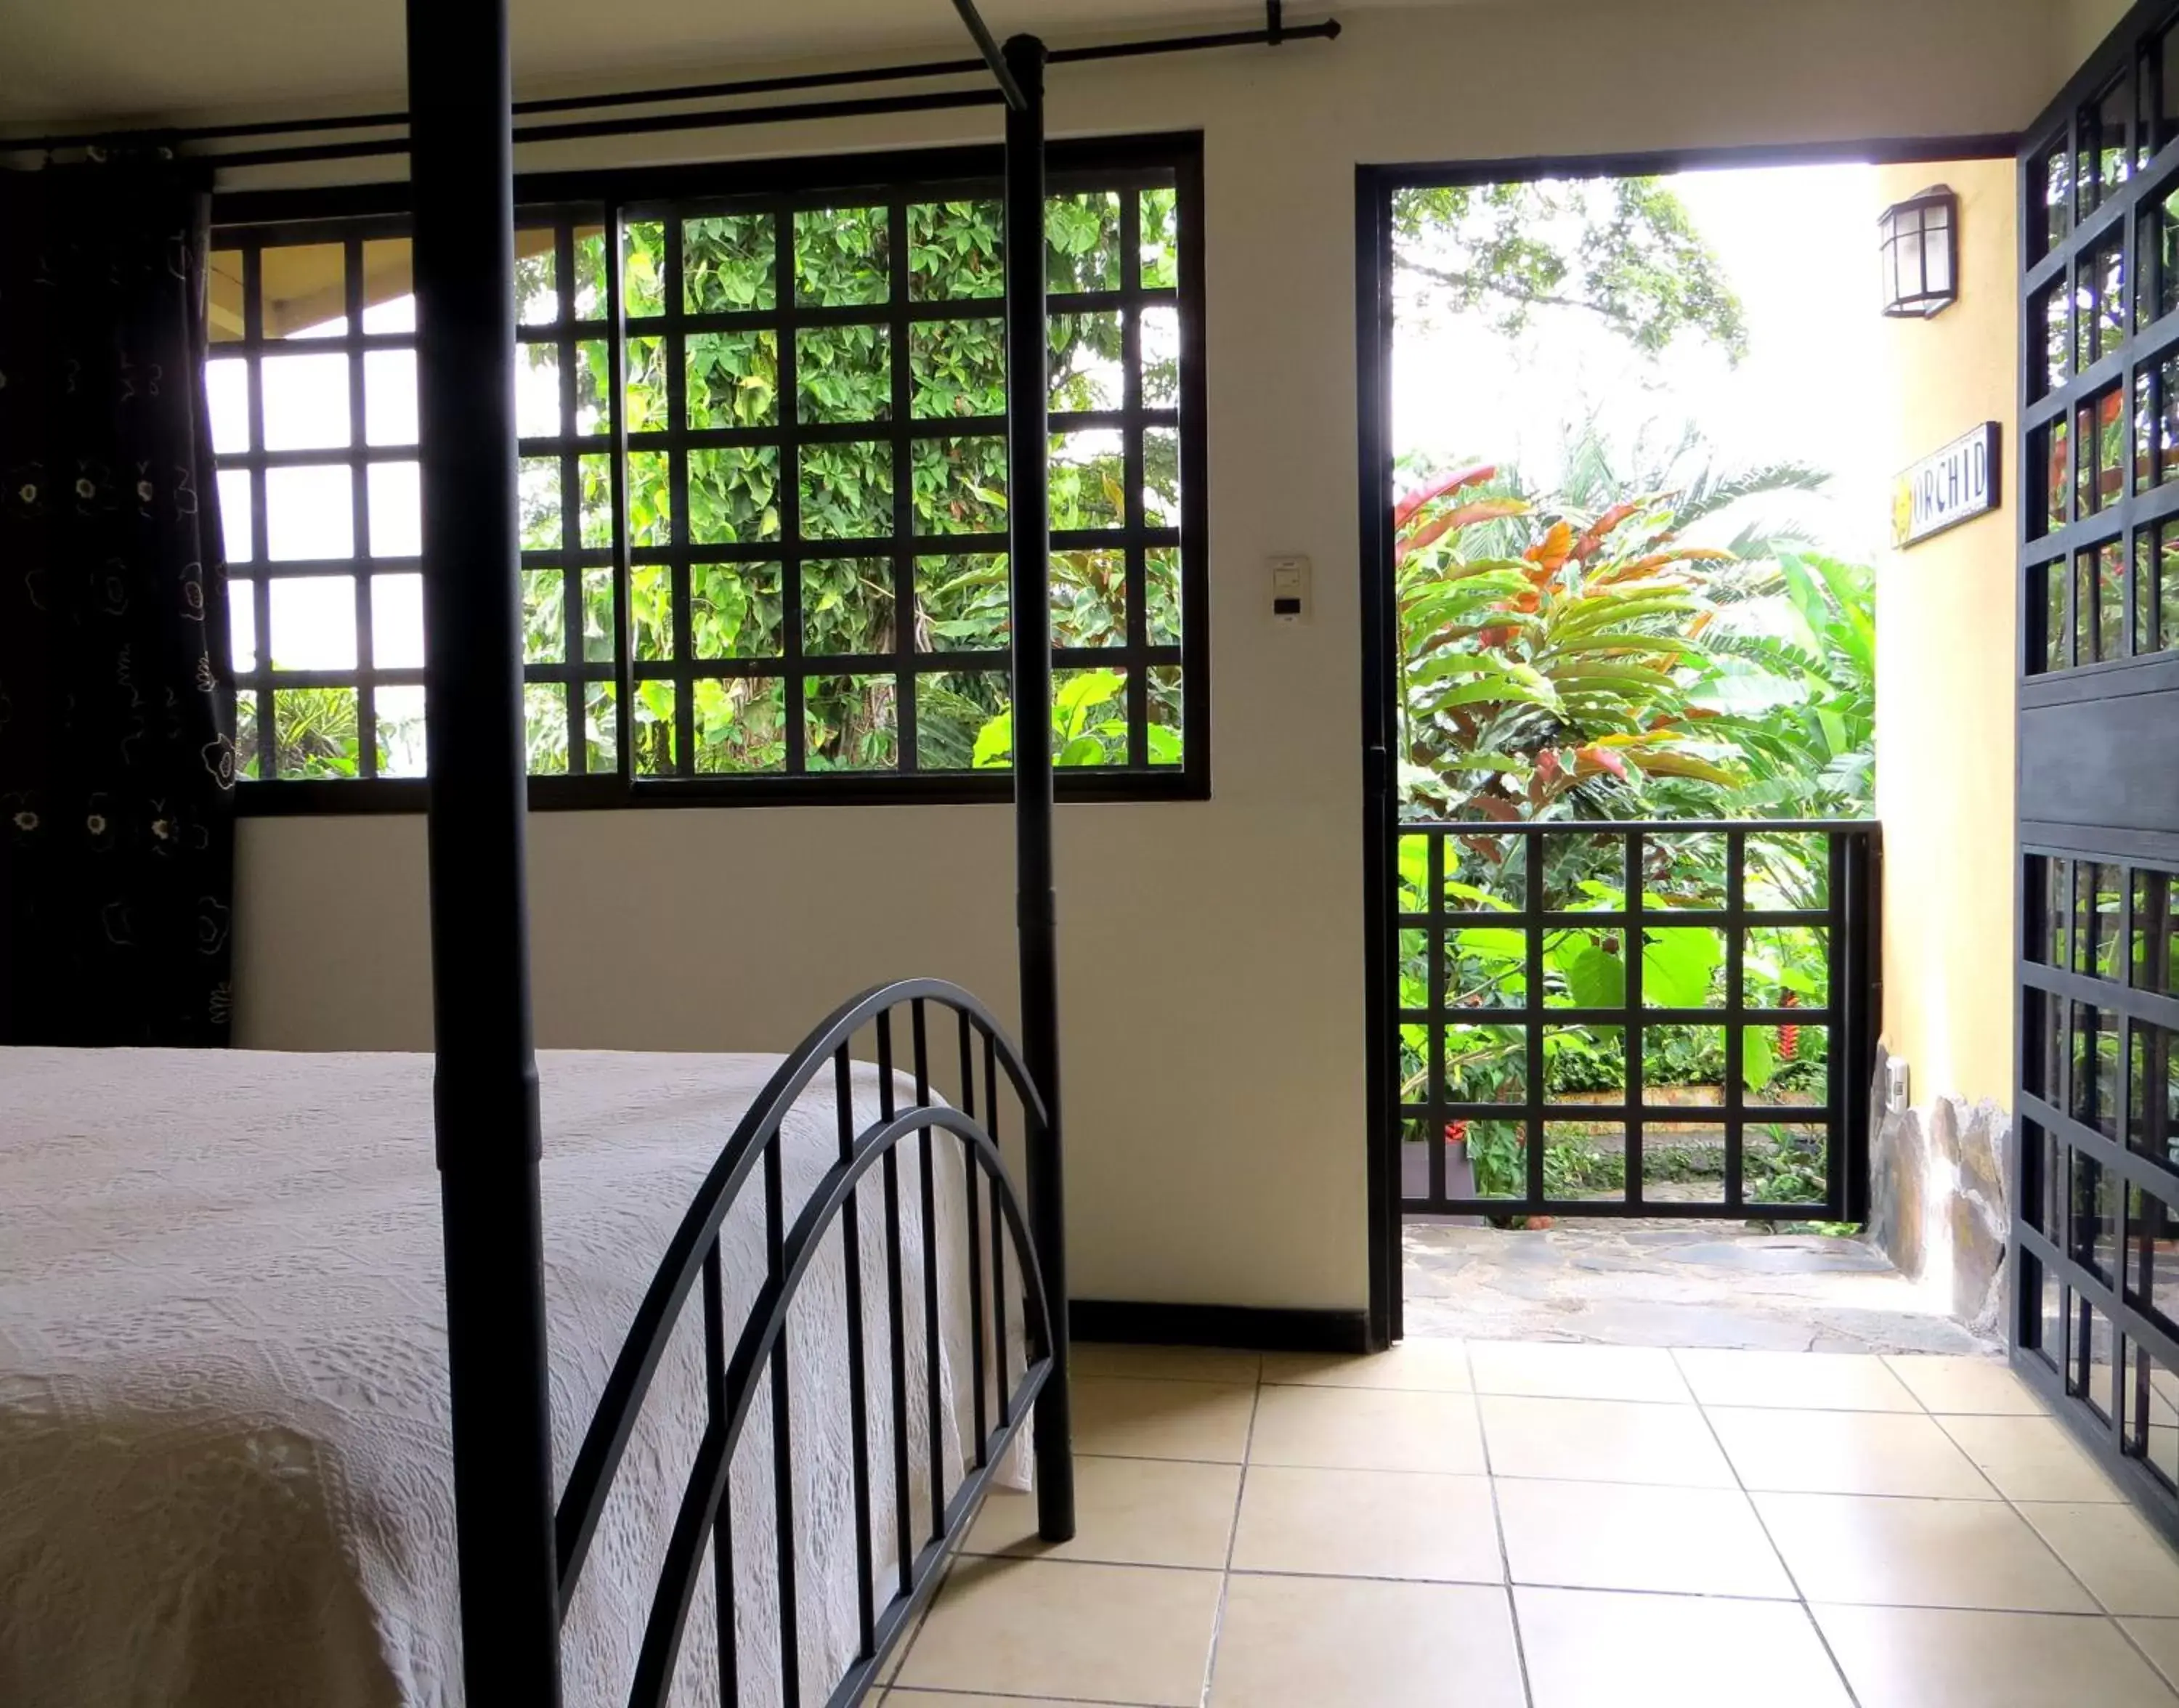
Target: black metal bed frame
520, 1555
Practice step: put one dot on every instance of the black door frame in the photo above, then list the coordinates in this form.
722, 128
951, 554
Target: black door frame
1374, 188
2098, 740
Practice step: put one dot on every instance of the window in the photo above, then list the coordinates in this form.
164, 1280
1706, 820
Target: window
763, 485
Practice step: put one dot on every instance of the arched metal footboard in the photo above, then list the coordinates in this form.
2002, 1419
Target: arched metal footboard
737, 1360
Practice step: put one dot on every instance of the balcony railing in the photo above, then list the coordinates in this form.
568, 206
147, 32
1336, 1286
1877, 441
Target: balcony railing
1670, 1018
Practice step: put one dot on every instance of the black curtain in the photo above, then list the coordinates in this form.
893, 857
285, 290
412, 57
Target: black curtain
117, 712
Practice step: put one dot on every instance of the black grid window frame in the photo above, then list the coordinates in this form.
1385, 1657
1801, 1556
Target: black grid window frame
251, 577
601, 774
1847, 919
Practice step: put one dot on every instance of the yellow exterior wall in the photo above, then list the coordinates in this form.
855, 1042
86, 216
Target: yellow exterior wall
1945, 675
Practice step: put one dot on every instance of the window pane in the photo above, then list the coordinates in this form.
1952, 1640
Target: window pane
1161, 476
735, 609
1166, 704
590, 273
544, 618
593, 387
851, 723
1089, 717
650, 501
305, 402
843, 257
401, 747
595, 522
599, 626
1082, 240
957, 368
242, 626
643, 268
223, 306
953, 709
389, 396
236, 544
304, 291
600, 726
544, 728
646, 397
1161, 239
1089, 599
310, 513
961, 602
656, 710
960, 486
536, 287
732, 378
537, 391
314, 732
842, 373
227, 400
313, 622
1089, 480
537, 503
397, 622
1161, 610
729, 265
733, 495
397, 511
953, 250
846, 490
1086, 369
2153, 1102
2156, 932
389, 298
847, 605
1160, 346
741, 725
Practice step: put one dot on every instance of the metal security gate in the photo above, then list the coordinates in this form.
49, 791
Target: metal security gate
2096, 1190
1670, 1019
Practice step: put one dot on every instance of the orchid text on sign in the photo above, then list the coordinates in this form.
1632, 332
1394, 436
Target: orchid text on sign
1946, 488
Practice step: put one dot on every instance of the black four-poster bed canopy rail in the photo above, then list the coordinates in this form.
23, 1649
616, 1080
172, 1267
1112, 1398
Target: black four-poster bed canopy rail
521, 1552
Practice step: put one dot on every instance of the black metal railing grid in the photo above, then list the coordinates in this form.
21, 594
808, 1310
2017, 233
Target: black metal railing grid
739, 1363
1721, 1068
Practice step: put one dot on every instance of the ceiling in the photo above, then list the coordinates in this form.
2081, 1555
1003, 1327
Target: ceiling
108, 60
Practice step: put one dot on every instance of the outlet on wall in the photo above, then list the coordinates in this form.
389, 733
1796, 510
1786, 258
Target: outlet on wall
1895, 1085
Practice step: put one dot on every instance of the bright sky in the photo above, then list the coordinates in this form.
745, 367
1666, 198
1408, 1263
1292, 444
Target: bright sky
1798, 244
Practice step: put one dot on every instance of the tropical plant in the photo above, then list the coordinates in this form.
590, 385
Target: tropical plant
1545, 657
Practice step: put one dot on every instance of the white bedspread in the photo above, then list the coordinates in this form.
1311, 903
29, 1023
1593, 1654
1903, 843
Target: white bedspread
225, 1477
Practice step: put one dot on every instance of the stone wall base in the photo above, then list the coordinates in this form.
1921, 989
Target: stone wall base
1939, 1197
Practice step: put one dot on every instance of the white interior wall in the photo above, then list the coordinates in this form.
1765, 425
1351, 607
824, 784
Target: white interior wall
1211, 952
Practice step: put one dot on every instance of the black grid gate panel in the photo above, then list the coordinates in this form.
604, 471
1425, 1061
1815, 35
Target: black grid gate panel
1668, 1019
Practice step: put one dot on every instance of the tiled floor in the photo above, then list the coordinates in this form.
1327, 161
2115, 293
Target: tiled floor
1547, 1526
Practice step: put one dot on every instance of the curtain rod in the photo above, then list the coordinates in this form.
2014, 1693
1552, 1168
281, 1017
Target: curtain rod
1328, 30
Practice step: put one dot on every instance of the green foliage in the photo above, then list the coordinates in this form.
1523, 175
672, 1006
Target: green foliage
1624, 249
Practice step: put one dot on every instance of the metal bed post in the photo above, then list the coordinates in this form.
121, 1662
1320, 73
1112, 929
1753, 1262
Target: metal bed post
1029, 548
485, 1087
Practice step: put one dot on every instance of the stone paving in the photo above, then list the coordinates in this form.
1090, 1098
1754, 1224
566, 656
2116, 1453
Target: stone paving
1650, 1284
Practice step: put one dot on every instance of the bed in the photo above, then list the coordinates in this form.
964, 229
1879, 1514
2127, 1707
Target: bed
226, 1473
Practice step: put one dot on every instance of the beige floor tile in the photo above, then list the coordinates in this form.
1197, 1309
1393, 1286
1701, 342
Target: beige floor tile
1602, 1441
1946, 1383
1368, 1524
1053, 1627
1594, 1535
1923, 1657
1357, 1643
1180, 1363
1802, 1381
2127, 1565
1135, 1511
1846, 1453
1585, 1648
1132, 1417
954, 1698
2031, 1458
2160, 1640
1870, 1549
1440, 1365
1367, 1429
1556, 1370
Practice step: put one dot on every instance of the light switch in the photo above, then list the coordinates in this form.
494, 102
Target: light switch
1290, 593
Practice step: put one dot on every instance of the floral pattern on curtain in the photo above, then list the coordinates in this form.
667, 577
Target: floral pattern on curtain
117, 715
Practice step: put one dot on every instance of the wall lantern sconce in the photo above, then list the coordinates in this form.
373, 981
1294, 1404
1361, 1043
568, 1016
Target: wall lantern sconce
1920, 249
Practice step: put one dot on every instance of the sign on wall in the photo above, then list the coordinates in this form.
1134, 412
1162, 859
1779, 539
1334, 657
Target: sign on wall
1947, 487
